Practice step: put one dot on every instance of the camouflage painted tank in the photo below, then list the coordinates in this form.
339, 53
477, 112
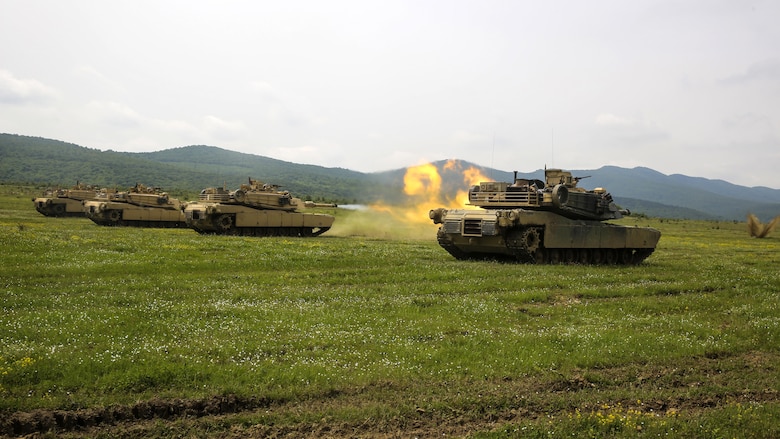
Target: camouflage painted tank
140, 206
65, 202
549, 221
255, 209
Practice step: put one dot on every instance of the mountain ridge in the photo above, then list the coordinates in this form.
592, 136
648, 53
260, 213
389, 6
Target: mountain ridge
40, 161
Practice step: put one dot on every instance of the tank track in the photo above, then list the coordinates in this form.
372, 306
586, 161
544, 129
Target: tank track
296, 232
446, 243
148, 224
526, 246
62, 214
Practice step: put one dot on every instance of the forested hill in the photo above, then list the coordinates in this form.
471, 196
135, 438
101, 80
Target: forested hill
51, 162
41, 161
45, 162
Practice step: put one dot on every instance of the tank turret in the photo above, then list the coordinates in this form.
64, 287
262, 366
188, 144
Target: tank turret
546, 221
144, 196
559, 193
256, 209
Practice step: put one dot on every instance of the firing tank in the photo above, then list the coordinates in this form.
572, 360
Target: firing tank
544, 222
255, 209
65, 202
140, 206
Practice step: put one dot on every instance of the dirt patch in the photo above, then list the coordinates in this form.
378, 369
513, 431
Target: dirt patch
24, 423
447, 409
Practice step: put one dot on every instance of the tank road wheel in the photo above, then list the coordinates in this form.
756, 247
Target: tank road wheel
59, 209
625, 256
225, 224
610, 256
540, 256
583, 256
596, 256
554, 256
569, 256
114, 216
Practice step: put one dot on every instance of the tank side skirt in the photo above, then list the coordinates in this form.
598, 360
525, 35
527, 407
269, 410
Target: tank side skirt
550, 239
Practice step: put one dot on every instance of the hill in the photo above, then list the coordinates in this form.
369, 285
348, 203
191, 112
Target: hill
188, 169
233, 168
717, 199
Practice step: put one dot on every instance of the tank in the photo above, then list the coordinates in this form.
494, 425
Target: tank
551, 221
65, 202
255, 209
140, 206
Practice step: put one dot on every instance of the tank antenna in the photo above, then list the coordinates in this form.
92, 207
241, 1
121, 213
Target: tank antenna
552, 147
492, 155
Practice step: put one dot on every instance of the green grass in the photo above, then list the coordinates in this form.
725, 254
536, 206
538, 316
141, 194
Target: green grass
356, 328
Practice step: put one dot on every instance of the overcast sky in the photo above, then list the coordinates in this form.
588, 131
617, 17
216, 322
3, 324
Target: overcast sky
690, 87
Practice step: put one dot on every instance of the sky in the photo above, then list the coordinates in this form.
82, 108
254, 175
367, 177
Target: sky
688, 87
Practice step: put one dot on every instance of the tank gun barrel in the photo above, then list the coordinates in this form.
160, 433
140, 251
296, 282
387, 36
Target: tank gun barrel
313, 204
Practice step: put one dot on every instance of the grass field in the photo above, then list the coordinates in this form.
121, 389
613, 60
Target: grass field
372, 330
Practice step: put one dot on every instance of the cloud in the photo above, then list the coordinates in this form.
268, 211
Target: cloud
115, 114
766, 70
283, 108
627, 130
264, 89
471, 138
15, 91
96, 77
608, 119
749, 121
223, 129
